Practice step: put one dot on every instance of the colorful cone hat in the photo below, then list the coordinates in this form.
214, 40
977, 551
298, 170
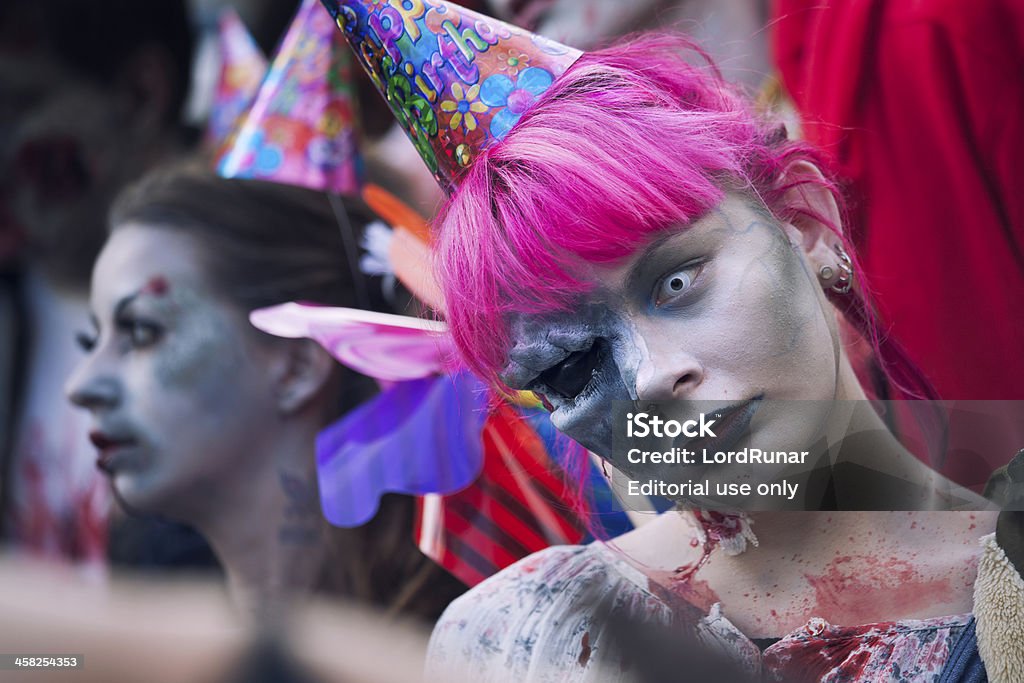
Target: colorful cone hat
242, 68
457, 81
301, 127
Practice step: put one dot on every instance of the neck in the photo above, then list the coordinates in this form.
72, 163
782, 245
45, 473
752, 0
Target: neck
871, 468
266, 527
848, 568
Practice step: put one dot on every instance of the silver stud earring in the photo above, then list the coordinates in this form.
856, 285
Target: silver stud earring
845, 282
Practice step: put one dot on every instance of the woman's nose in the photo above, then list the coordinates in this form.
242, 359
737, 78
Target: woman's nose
88, 388
670, 374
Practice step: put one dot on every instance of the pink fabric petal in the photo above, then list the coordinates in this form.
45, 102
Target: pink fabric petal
387, 347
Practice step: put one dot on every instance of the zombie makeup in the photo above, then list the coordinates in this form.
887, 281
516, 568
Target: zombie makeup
723, 311
115, 442
196, 356
157, 286
569, 361
175, 412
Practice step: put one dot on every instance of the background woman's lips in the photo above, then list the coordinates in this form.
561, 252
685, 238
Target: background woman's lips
107, 447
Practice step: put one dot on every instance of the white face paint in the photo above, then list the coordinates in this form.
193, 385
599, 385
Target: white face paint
727, 309
171, 378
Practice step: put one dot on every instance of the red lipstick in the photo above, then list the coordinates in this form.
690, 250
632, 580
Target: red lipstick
108, 446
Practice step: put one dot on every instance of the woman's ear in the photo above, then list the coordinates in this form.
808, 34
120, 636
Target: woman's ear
814, 210
303, 371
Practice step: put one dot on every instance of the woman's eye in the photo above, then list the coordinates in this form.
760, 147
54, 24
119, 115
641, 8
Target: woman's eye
676, 284
144, 334
140, 334
85, 341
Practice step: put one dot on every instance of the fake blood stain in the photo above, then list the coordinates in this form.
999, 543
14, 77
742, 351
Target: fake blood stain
696, 592
679, 588
853, 590
585, 650
157, 286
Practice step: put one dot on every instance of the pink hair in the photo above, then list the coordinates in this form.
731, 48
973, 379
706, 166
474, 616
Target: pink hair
632, 141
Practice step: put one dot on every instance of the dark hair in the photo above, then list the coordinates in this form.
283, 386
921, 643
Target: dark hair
266, 244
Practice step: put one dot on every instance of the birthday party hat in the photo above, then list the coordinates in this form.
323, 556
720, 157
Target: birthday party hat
242, 67
457, 81
301, 127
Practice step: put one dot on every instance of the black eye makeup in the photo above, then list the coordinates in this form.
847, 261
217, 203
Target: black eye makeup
569, 378
133, 330
86, 340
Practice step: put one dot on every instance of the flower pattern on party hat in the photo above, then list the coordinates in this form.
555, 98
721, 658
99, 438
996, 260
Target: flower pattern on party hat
300, 129
242, 68
457, 81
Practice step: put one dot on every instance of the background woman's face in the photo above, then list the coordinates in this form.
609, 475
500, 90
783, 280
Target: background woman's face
171, 377
727, 310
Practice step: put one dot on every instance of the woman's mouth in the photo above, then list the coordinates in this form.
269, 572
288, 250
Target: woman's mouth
731, 424
109, 446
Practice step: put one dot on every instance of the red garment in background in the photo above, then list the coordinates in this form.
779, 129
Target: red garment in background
921, 105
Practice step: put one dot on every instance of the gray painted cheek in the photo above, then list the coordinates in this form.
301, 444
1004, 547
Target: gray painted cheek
590, 421
775, 338
193, 404
531, 352
794, 310
772, 293
577, 331
189, 381
538, 342
629, 351
202, 350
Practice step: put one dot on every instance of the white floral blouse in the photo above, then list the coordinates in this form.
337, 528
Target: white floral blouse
546, 618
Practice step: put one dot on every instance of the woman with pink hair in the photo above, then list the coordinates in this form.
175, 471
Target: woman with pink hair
642, 235
624, 232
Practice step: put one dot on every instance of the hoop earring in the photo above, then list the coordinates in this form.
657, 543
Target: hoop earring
845, 282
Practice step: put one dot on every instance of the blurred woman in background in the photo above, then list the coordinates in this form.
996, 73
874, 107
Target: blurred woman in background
200, 418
